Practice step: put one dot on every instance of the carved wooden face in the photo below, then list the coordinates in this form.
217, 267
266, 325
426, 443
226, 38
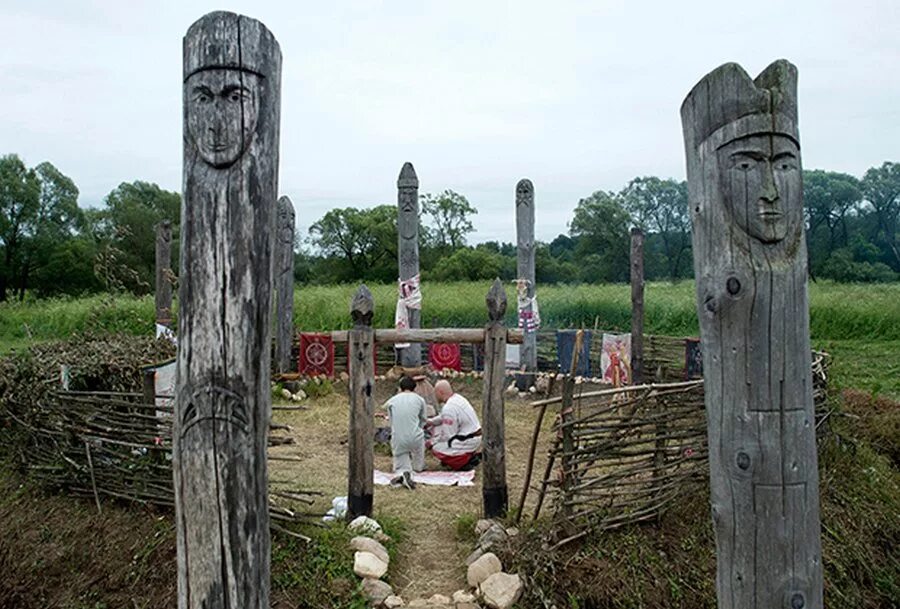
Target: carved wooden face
760, 180
223, 107
408, 223
286, 224
523, 193
213, 410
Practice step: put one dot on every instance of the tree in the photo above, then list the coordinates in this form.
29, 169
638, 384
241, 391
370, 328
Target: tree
128, 224
661, 207
881, 187
20, 192
449, 212
469, 264
363, 242
600, 227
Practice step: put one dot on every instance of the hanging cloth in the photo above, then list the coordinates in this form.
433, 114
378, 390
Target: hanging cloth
409, 297
529, 318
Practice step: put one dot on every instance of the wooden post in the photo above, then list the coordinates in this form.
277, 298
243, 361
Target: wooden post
164, 273
148, 385
637, 306
361, 445
408, 250
232, 81
566, 412
525, 271
284, 284
745, 193
494, 491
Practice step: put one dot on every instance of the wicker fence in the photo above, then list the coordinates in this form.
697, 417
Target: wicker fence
621, 456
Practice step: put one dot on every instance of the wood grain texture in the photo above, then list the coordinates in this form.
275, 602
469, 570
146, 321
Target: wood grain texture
408, 249
637, 306
163, 294
494, 489
525, 270
431, 335
750, 261
284, 283
361, 437
232, 81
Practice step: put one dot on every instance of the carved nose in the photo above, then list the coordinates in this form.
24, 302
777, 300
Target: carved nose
769, 189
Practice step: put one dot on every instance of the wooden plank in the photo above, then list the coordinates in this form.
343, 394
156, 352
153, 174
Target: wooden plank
750, 260
232, 82
408, 250
637, 306
361, 438
495, 496
431, 335
163, 294
284, 283
525, 271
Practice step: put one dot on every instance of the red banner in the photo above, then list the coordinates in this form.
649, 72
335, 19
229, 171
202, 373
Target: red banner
316, 355
444, 355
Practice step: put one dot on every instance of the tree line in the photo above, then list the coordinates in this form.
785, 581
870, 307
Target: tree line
49, 245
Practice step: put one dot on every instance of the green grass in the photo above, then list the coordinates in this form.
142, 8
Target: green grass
859, 323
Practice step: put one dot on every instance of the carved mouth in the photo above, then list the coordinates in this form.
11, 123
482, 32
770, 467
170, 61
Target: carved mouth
235, 421
770, 214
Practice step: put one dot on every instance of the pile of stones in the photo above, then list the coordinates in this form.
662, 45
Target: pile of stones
489, 585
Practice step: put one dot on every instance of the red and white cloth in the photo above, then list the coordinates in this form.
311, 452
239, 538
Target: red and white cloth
529, 315
316, 356
409, 297
445, 355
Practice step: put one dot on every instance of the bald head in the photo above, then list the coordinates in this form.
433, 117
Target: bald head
443, 390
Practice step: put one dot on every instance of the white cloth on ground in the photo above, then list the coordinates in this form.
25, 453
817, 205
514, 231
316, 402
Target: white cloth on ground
457, 418
431, 478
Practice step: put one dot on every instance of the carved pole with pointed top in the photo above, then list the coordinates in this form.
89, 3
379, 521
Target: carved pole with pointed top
494, 491
163, 293
637, 306
284, 284
232, 81
746, 200
361, 440
408, 249
525, 270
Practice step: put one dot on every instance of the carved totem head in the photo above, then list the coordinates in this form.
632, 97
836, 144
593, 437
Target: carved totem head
224, 77
744, 133
524, 192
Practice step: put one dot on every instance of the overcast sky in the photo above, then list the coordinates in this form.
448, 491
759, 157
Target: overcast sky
577, 96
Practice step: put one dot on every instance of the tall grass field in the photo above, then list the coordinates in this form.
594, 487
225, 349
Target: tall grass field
859, 323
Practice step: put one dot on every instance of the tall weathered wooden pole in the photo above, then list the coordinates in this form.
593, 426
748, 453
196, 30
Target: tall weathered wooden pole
525, 272
637, 306
494, 491
232, 82
284, 284
745, 190
408, 251
164, 273
361, 438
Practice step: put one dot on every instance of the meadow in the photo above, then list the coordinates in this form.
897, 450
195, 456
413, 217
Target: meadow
858, 323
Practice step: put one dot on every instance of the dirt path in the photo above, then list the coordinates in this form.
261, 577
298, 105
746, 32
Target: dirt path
431, 558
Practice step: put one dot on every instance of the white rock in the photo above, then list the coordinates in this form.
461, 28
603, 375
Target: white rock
419, 602
367, 544
493, 536
482, 526
392, 602
461, 596
376, 590
364, 524
286, 394
483, 568
512, 531
439, 599
501, 590
366, 564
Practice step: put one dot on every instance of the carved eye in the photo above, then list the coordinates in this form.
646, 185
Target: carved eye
202, 98
785, 165
235, 96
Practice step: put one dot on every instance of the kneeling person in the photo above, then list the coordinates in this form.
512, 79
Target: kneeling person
407, 413
456, 436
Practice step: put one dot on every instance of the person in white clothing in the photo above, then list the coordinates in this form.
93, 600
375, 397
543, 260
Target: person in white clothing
456, 431
407, 414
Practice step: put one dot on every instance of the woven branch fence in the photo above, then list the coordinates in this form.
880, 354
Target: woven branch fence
621, 456
113, 444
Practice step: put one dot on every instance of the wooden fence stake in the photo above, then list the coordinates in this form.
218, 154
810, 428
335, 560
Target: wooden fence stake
361, 444
637, 306
163, 295
525, 270
746, 201
232, 82
408, 250
284, 284
494, 490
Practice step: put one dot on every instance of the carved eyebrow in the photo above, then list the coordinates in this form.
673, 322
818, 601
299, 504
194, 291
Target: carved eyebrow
202, 89
784, 155
756, 155
229, 88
